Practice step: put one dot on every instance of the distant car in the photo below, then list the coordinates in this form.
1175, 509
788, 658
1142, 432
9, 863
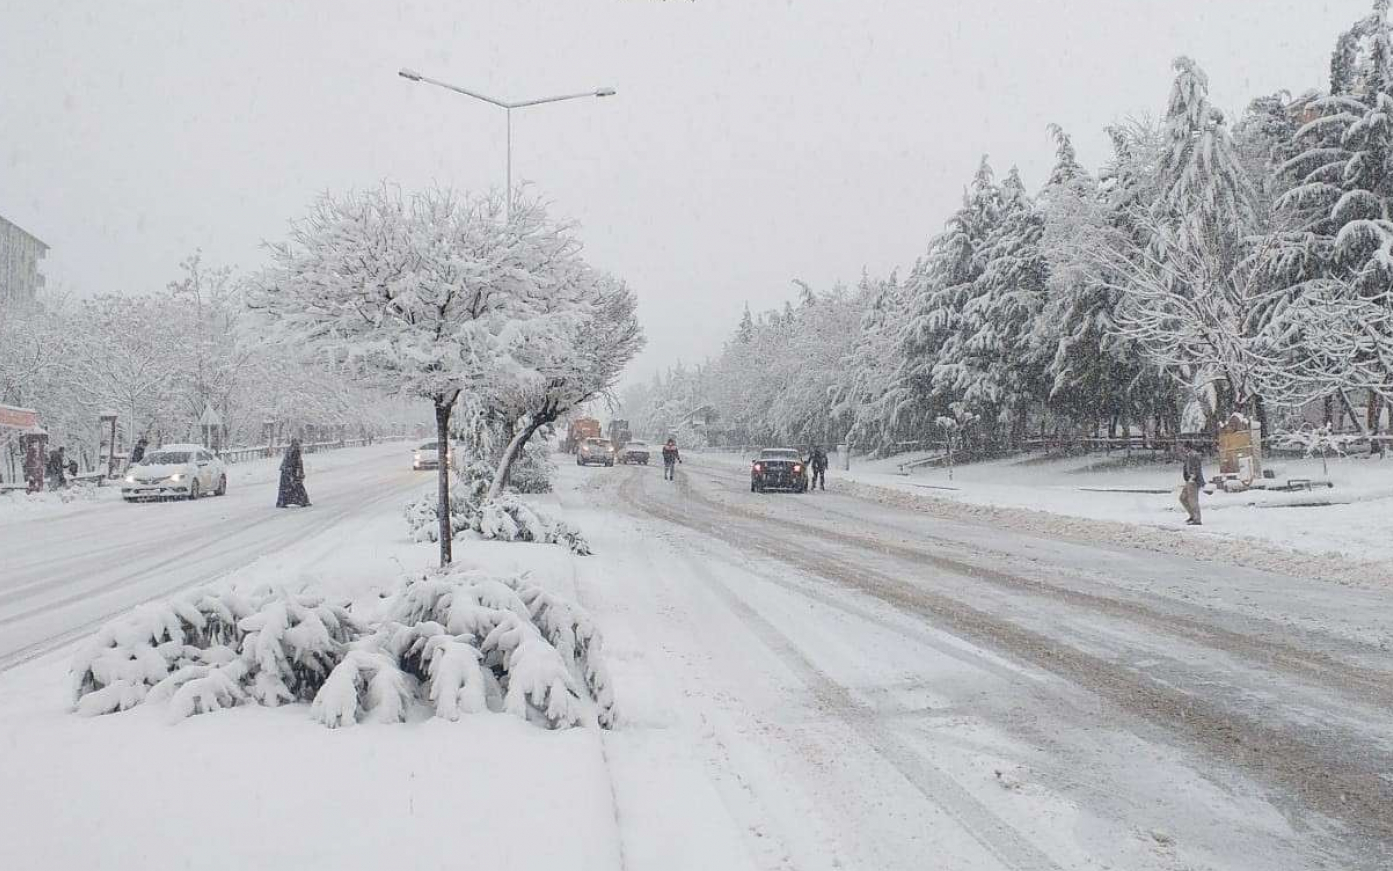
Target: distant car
595, 452
635, 452
175, 471
426, 456
779, 469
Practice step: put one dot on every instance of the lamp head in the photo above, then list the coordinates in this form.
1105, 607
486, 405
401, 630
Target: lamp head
409, 74
605, 92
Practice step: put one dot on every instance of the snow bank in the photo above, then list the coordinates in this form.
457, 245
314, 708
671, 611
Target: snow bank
449, 644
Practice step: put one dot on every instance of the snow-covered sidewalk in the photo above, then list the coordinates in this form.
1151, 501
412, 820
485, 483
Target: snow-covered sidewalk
1342, 534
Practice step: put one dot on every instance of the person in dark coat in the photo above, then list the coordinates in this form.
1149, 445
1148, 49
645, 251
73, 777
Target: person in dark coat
818, 463
57, 470
292, 487
1193, 475
670, 459
138, 452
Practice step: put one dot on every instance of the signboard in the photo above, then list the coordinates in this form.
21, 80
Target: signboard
18, 418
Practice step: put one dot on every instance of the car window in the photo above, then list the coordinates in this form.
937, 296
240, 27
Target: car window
165, 458
429, 446
778, 455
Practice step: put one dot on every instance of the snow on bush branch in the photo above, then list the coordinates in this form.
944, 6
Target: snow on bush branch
506, 518
448, 644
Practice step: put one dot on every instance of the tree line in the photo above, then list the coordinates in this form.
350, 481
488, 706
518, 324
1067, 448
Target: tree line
159, 360
1209, 266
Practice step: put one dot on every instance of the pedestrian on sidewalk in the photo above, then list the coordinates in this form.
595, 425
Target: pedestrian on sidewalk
818, 463
57, 470
138, 452
292, 486
1193, 476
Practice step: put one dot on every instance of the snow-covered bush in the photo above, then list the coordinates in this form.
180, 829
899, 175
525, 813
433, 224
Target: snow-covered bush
533, 470
448, 644
213, 649
507, 518
511, 519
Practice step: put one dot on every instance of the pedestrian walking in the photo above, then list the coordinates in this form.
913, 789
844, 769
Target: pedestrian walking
670, 460
292, 486
818, 463
57, 470
1193, 476
138, 452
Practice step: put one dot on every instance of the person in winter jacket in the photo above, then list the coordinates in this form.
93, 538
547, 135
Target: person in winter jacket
1193, 475
138, 452
292, 487
670, 460
817, 461
57, 470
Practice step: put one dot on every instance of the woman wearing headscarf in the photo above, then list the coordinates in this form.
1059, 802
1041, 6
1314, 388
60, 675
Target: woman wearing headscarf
292, 488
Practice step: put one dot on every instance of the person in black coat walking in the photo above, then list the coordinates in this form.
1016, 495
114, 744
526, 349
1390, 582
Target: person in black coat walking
292, 488
57, 470
138, 452
818, 463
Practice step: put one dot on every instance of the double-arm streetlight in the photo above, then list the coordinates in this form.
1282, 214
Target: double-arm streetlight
508, 107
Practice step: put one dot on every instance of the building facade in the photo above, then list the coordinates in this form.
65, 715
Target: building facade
20, 254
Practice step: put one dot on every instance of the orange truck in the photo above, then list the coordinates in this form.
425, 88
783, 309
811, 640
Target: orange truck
581, 428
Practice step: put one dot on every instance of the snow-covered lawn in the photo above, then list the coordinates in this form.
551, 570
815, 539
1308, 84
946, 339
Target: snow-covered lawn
1344, 532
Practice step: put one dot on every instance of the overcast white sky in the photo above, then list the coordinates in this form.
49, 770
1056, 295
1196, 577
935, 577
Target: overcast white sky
750, 142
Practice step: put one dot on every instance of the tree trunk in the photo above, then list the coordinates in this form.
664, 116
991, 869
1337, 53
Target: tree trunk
443, 407
510, 454
1260, 412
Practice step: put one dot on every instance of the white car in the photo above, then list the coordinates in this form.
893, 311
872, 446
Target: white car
180, 471
599, 452
427, 456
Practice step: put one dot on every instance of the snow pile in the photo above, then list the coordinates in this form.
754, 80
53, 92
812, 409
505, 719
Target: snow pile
507, 518
19, 499
448, 644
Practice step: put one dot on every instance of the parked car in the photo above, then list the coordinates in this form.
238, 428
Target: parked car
595, 452
427, 456
635, 452
779, 469
175, 471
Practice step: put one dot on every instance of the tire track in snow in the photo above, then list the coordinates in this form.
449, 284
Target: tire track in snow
1323, 773
991, 832
1319, 669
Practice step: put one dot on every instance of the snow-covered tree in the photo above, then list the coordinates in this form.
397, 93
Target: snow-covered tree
1332, 327
429, 294
584, 362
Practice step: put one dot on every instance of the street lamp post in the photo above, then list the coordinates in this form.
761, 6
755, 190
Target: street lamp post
507, 108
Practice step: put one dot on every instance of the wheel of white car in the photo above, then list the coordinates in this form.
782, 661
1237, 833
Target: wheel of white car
222, 487
193, 490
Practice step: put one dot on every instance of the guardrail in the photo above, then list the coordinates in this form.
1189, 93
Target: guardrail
261, 452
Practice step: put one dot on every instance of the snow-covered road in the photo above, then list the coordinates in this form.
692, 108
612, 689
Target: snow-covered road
860, 686
62, 575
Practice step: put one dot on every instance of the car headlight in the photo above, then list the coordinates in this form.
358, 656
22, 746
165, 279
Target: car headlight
130, 479
177, 477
